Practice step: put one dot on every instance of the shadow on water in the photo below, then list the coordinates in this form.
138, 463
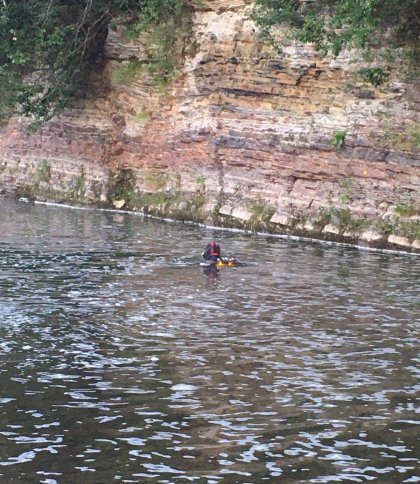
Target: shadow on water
122, 359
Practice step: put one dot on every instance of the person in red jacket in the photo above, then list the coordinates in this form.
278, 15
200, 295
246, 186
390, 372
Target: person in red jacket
212, 252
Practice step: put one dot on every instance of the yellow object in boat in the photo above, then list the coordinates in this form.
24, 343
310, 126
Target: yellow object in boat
226, 263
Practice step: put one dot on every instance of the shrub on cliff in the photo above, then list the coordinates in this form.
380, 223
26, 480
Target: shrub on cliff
377, 27
47, 48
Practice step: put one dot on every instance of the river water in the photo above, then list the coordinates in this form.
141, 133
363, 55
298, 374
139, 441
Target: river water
121, 360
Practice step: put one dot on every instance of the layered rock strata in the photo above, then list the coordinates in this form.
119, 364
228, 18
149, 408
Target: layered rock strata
245, 135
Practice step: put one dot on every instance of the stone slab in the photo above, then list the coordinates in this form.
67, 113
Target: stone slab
241, 213
370, 236
281, 219
398, 240
331, 229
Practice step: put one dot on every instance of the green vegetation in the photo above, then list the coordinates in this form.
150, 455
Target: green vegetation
404, 228
342, 219
375, 75
385, 227
261, 215
409, 229
414, 133
177, 181
338, 139
201, 182
48, 48
142, 115
121, 185
403, 137
155, 181
79, 185
168, 25
126, 73
347, 184
377, 27
43, 171
405, 210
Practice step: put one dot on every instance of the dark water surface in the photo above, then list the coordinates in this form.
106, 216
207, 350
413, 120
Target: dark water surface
121, 361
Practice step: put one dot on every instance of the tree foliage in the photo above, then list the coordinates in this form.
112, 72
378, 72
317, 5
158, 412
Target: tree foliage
334, 25
47, 48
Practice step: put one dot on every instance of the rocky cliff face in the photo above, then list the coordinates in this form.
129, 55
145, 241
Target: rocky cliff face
244, 135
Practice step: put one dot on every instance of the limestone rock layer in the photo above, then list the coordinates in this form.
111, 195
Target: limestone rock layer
243, 128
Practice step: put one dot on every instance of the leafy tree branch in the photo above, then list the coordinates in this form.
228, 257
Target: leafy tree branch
47, 47
376, 27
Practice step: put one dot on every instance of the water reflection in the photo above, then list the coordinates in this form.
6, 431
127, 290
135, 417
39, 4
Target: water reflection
120, 360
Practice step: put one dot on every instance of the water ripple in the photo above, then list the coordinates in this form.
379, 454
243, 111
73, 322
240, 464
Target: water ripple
121, 360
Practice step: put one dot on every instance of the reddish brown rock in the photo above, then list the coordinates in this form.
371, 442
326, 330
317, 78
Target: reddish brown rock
241, 121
